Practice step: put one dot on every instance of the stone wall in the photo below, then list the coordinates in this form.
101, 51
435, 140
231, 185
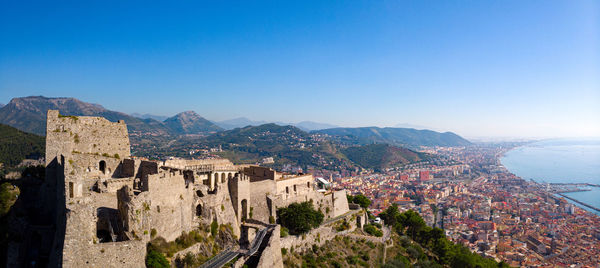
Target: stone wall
118, 254
319, 235
109, 204
271, 255
112, 185
340, 203
257, 173
239, 190
146, 168
259, 204
294, 186
167, 206
85, 135
210, 164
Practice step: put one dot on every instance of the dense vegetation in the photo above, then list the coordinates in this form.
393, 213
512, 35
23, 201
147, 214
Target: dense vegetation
299, 218
414, 245
287, 144
409, 223
290, 145
342, 251
359, 199
373, 230
212, 240
155, 259
8, 197
16, 145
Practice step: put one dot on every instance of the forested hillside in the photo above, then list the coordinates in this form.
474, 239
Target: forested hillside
16, 145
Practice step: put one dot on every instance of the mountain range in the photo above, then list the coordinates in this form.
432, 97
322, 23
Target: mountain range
405, 137
190, 122
369, 147
29, 114
241, 122
238, 123
150, 116
291, 145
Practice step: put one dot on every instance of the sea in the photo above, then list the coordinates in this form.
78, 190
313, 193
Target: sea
562, 161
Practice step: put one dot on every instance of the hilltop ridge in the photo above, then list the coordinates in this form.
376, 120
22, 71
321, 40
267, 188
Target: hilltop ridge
408, 137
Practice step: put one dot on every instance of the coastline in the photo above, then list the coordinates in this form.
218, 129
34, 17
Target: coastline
575, 198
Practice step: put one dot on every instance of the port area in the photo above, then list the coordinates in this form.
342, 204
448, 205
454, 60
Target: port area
559, 188
562, 188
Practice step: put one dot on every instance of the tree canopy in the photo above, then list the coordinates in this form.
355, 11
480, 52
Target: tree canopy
300, 218
359, 199
411, 224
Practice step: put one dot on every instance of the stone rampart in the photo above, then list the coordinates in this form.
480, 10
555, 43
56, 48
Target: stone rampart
167, 207
86, 135
271, 255
319, 235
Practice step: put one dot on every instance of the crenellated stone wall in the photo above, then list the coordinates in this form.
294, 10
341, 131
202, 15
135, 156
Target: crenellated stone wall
108, 203
167, 207
85, 135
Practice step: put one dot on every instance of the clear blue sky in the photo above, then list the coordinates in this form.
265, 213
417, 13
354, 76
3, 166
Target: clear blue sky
478, 68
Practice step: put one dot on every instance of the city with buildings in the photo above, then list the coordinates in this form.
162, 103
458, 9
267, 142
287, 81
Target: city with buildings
485, 207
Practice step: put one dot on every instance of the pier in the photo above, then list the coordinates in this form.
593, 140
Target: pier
575, 184
570, 187
579, 202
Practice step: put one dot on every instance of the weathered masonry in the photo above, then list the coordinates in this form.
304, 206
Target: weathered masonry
109, 202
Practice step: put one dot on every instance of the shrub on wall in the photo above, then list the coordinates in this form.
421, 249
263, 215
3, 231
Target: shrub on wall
214, 228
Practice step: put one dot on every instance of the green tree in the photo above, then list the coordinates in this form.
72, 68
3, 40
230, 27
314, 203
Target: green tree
372, 230
361, 200
155, 259
8, 197
390, 215
299, 218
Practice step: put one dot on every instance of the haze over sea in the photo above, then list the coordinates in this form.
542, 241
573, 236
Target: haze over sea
561, 160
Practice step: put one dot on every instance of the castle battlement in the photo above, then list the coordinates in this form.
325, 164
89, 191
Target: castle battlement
112, 198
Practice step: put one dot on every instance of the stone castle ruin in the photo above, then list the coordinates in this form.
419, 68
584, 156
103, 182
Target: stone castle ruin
109, 201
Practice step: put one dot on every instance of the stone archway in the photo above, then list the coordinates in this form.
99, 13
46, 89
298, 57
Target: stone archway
222, 177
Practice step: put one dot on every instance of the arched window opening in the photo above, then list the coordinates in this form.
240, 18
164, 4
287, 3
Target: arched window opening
294, 187
308, 184
199, 210
102, 167
287, 190
244, 209
222, 177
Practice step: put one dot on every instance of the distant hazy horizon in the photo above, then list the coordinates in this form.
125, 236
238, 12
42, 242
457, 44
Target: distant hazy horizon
509, 69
